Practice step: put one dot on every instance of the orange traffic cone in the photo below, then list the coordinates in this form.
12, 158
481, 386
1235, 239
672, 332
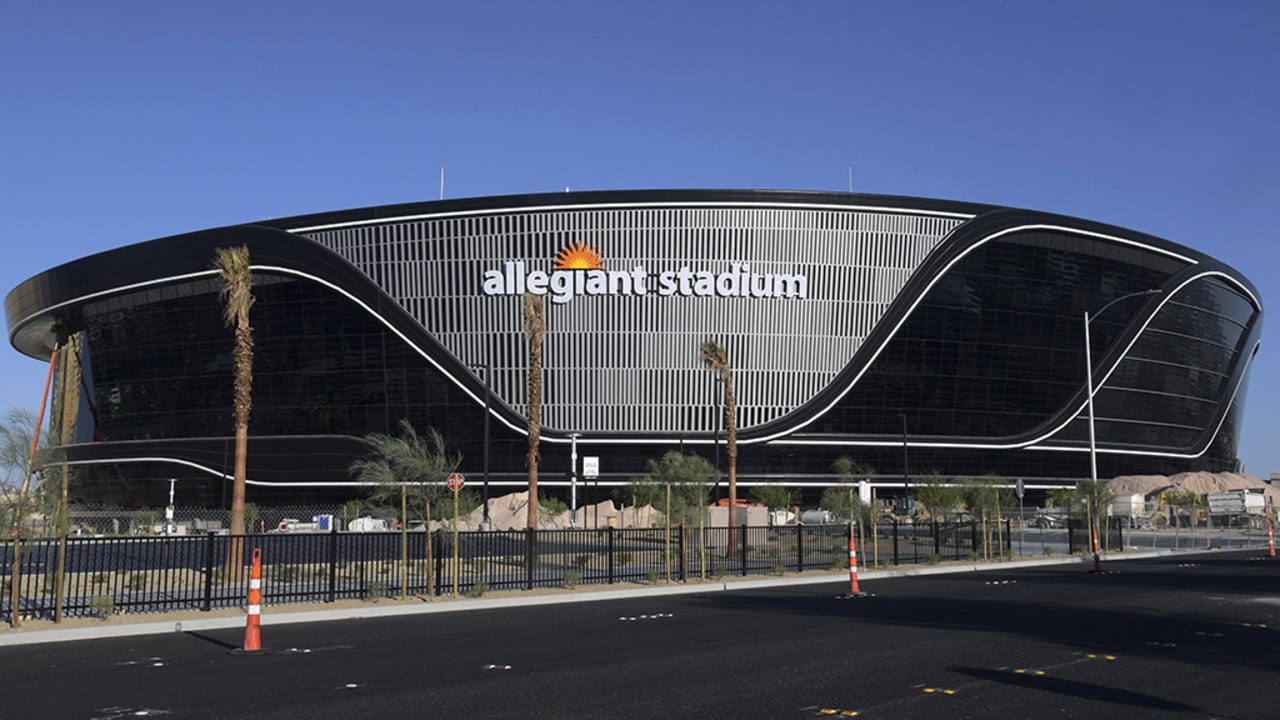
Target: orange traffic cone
853, 565
1271, 541
854, 591
252, 632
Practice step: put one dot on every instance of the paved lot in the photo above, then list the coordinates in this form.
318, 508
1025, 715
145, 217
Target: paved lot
1176, 636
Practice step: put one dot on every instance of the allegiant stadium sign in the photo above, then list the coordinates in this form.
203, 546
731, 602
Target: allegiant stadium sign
579, 271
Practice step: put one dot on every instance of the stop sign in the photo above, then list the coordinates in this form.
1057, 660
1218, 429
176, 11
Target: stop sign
456, 481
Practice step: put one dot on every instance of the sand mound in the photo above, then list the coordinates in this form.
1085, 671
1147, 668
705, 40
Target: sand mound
511, 512
1199, 482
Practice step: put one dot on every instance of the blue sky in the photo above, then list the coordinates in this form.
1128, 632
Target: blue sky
125, 121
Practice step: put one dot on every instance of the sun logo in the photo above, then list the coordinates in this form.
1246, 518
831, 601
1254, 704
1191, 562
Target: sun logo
579, 256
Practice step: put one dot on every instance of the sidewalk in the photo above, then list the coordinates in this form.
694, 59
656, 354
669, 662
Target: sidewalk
34, 632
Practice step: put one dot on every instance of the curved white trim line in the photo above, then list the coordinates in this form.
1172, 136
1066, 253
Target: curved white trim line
1031, 444
702, 441
937, 277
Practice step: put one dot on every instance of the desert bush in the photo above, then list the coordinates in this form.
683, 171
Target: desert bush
102, 607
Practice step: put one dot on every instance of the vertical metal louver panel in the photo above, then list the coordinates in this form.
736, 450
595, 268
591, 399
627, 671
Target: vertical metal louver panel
621, 363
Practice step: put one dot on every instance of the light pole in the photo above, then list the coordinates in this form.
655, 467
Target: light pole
169, 528
1088, 366
1095, 513
485, 523
906, 472
573, 480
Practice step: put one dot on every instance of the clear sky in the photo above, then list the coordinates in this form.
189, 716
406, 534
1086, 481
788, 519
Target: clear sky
124, 121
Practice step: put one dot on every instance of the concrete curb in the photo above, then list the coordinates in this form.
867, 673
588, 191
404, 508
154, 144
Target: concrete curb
281, 616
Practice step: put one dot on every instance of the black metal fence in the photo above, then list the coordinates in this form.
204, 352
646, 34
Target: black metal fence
155, 574
1080, 538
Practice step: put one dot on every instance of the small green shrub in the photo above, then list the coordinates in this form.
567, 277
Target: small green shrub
719, 572
572, 578
102, 607
376, 591
972, 556
934, 558
1046, 550
651, 576
779, 570
98, 578
478, 590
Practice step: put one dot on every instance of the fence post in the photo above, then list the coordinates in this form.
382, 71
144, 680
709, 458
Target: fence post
437, 552
744, 549
799, 548
937, 547
683, 575
208, 571
333, 563
610, 536
896, 559
530, 556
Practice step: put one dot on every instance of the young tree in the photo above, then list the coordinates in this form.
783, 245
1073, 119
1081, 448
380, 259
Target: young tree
716, 358
17, 427
688, 477
844, 500
535, 329
983, 498
939, 497
406, 467
236, 294
774, 497
640, 491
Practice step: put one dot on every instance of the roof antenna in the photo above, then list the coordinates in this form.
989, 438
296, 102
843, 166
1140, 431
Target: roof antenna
442, 181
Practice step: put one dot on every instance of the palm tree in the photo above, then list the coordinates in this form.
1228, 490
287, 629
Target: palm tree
535, 329
713, 354
232, 265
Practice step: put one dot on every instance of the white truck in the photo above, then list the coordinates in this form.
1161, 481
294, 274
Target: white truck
1237, 502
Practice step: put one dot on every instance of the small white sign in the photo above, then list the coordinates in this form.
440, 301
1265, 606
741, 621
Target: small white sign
590, 466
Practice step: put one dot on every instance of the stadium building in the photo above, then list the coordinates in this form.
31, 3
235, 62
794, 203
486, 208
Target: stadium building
911, 335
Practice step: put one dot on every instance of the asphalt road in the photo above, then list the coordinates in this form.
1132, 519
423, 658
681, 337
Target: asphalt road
1187, 636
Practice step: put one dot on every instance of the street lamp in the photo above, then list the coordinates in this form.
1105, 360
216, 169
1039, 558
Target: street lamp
573, 480
1088, 365
1093, 447
169, 527
485, 523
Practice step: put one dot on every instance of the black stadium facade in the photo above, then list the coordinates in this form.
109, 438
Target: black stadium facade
947, 336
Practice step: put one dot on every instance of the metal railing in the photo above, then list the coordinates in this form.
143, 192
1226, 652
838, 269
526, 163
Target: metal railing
164, 573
